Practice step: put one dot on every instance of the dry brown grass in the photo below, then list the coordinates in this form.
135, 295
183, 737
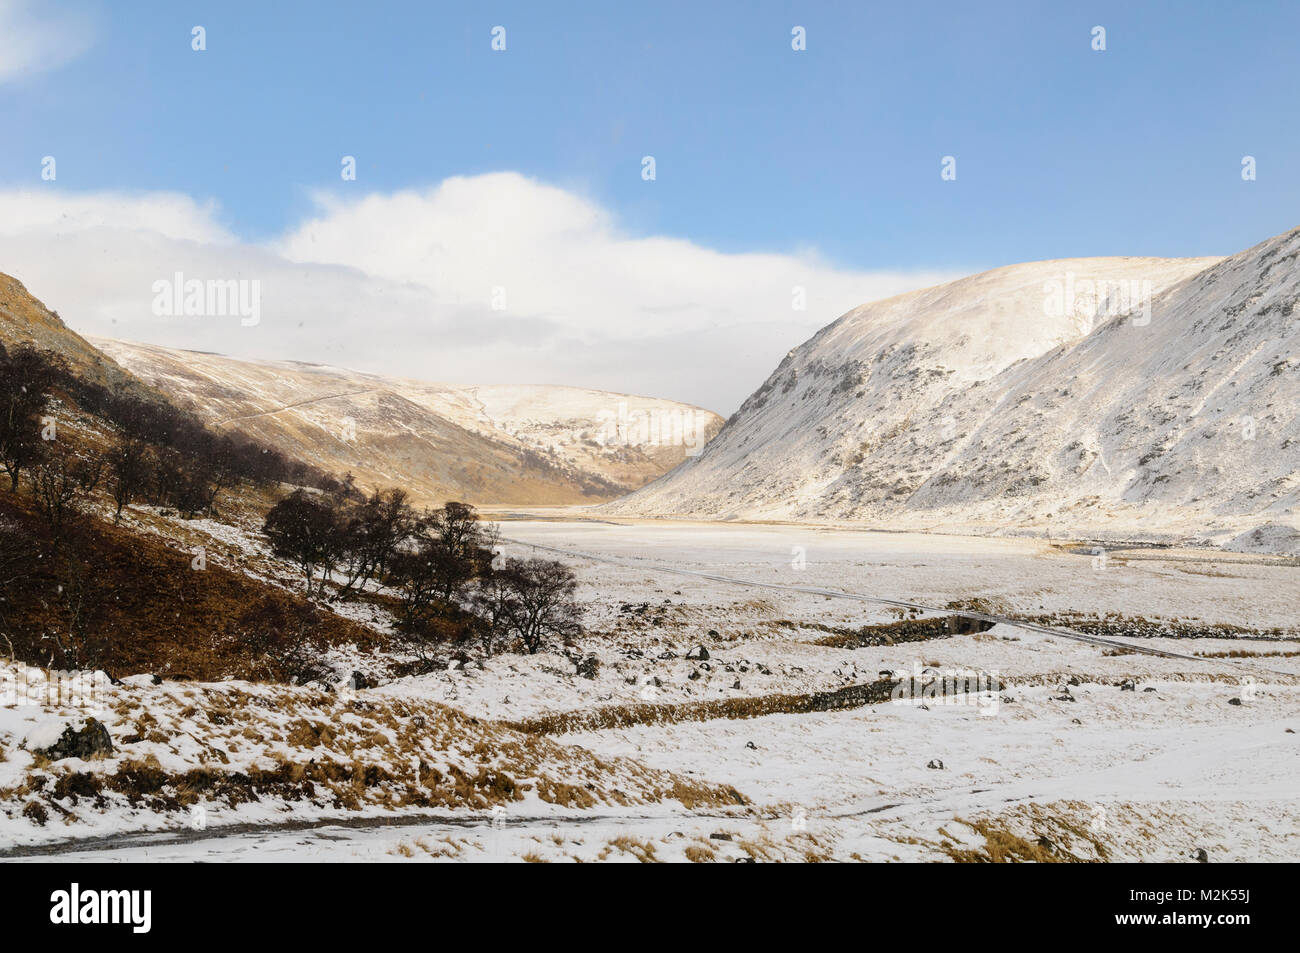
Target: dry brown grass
1030, 834
143, 598
342, 753
642, 850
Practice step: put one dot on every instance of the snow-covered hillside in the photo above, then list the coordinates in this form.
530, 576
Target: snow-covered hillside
1110, 397
504, 444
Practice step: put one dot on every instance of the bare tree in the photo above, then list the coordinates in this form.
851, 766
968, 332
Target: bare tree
25, 379
372, 533
305, 530
57, 482
533, 600
128, 469
17, 556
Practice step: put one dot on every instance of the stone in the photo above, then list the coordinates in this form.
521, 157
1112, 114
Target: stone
77, 740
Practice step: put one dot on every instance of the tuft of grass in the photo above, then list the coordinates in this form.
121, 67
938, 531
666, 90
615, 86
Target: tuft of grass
642, 850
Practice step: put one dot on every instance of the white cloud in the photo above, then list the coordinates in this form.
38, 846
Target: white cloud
35, 38
403, 284
165, 214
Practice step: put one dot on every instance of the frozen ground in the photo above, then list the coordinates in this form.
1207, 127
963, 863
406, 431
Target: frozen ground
1198, 753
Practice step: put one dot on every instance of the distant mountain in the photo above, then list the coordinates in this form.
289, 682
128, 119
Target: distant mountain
1113, 396
507, 444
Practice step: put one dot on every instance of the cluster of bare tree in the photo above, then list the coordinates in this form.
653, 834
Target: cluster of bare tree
435, 567
159, 454
437, 564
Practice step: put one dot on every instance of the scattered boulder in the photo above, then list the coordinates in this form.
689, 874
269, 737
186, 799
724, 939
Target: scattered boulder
936, 764
1073, 680
719, 835
695, 674
359, 681
1128, 685
751, 746
587, 666
736, 683
77, 739
700, 652
1201, 856
1148, 689
1234, 701
713, 633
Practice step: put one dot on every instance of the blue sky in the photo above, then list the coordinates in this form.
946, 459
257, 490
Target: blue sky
832, 153
1062, 151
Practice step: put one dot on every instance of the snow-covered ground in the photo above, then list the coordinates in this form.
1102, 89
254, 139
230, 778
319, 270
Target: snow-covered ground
1087, 751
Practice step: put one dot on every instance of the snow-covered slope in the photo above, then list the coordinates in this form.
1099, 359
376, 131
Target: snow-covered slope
1118, 396
507, 444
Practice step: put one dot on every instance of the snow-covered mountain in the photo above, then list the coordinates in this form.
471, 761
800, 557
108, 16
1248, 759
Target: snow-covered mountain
503, 444
1111, 397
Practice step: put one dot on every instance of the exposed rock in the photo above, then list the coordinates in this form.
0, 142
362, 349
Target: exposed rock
76, 740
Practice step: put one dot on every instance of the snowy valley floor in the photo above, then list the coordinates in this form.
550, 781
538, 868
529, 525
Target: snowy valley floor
1085, 752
